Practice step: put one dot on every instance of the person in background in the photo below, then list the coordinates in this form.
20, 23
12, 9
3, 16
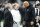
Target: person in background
37, 16
1, 14
29, 14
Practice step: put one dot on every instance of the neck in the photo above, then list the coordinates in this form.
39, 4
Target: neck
16, 9
9, 9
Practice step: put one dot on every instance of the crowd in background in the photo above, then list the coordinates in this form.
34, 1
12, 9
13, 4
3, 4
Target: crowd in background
8, 6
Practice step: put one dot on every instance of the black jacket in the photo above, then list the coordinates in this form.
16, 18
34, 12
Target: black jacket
30, 13
8, 19
22, 11
1, 15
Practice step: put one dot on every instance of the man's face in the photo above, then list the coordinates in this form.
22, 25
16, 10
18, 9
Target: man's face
26, 4
33, 5
17, 6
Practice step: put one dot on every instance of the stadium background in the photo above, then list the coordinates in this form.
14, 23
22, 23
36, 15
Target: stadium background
13, 1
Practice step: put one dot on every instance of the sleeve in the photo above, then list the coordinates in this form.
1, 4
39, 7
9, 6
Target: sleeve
22, 11
38, 12
7, 22
33, 13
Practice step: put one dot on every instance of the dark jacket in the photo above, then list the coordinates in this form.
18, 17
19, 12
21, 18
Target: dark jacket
22, 11
1, 15
8, 19
30, 13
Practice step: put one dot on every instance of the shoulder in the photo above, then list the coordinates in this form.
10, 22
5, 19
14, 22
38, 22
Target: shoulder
32, 7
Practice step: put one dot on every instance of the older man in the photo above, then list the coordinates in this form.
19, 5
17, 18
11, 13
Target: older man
16, 15
29, 14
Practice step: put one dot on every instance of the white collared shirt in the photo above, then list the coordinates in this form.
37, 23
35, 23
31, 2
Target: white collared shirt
16, 15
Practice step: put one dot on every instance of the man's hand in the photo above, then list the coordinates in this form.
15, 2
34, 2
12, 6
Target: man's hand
14, 22
32, 22
37, 24
23, 22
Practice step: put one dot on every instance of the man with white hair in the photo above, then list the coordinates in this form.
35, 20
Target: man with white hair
16, 15
7, 16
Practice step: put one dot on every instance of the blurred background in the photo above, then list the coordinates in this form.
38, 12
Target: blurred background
4, 2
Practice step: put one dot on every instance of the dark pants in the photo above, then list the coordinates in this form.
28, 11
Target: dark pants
28, 24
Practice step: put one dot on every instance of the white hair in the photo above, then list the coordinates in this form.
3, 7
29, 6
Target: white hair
7, 5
